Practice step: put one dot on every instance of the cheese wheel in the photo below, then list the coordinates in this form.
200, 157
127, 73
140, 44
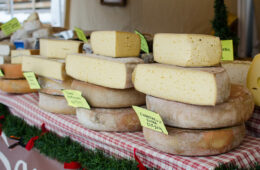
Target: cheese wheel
196, 142
236, 110
12, 71
100, 70
49, 83
55, 104
98, 96
119, 120
15, 86
200, 86
190, 50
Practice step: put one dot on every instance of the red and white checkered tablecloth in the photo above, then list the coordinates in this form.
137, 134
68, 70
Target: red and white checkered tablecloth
122, 144
253, 124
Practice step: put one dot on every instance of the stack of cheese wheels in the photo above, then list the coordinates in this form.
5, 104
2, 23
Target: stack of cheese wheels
203, 112
50, 67
104, 78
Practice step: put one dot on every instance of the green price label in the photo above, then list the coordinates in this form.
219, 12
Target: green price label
1, 73
150, 119
80, 34
75, 99
11, 26
144, 45
227, 50
31, 79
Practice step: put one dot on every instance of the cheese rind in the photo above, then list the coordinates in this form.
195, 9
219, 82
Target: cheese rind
235, 111
253, 79
48, 83
103, 97
199, 86
50, 68
119, 120
190, 50
12, 71
100, 70
237, 71
196, 142
53, 48
15, 86
115, 43
55, 104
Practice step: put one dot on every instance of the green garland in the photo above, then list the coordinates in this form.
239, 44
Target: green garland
63, 149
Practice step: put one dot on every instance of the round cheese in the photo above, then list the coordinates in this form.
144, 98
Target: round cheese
15, 86
12, 71
236, 110
55, 104
120, 120
104, 97
196, 142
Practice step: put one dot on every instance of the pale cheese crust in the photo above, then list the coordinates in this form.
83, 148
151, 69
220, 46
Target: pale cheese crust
15, 86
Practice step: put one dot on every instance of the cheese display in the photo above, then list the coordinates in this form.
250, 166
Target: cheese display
115, 43
12, 71
49, 83
237, 71
100, 70
15, 86
190, 50
98, 96
253, 79
5, 48
55, 104
235, 111
188, 142
53, 48
50, 68
200, 86
119, 120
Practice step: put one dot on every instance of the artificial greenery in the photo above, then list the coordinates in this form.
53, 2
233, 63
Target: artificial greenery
64, 149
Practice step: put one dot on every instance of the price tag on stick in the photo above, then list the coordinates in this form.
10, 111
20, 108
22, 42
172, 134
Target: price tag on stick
227, 50
144, 45
75, 99
80, 34
31, 79
150, 119
11, 26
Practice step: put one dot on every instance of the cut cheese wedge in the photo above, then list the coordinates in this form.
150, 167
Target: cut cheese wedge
196, 142
119, 120
17, 55
41, 66
53, 48
253, 79
15, 86
98, 96
237, 71
187, 49
5, 48
199, 86
100, 70
235, 111
115, 43
55, 104
12, 71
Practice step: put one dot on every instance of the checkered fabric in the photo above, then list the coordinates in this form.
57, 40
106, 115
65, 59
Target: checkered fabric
253, 124
122, 144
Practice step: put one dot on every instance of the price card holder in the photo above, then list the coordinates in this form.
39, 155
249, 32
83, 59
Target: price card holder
11, 26
80, 34
150, 119
75, 99
31, 79
227, 50
1, 73
144, 45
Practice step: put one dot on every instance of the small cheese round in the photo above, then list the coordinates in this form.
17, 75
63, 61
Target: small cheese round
120, 120
55, 104
15, 86
236, 110
12, 71
196, 142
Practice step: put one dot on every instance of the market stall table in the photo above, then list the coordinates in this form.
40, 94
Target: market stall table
122, 145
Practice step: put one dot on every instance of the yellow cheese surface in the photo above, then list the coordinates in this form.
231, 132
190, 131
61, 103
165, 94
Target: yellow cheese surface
115, 43
16, 55
52, 48
253, 79
50, 68
187, 49
201, 86
101, 70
